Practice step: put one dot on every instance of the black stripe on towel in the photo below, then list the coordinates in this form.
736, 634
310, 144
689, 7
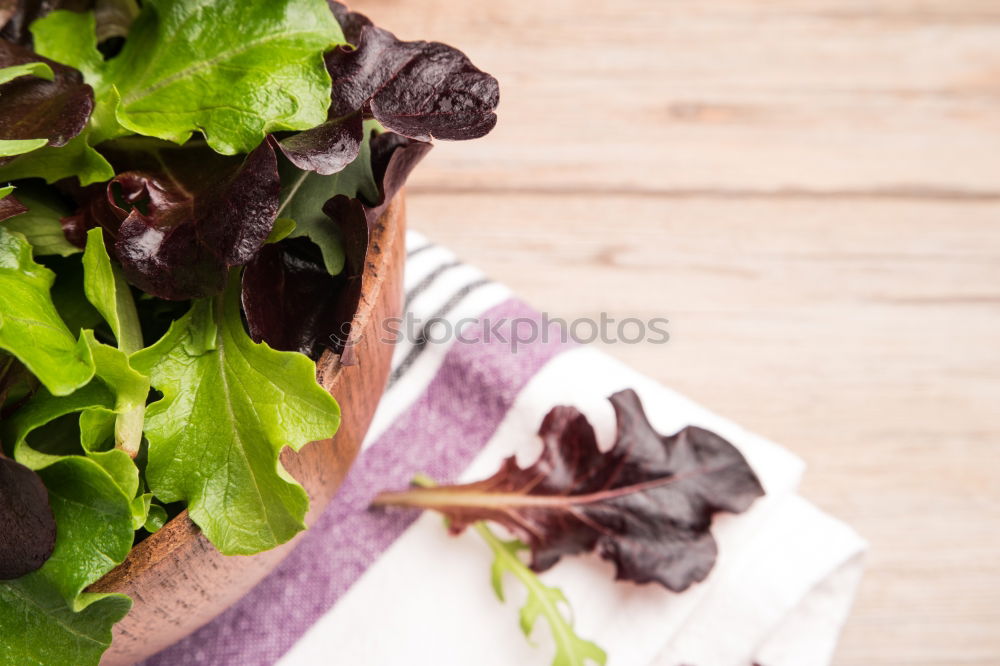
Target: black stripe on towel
420, 344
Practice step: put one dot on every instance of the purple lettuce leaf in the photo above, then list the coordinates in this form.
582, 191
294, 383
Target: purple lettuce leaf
290, 300
27, 526
179, 218
646, 505
422, 90
33, 108
9, 207
327, 148
393, 159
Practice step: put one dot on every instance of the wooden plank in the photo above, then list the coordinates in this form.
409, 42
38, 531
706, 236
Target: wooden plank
861, 333
723, 95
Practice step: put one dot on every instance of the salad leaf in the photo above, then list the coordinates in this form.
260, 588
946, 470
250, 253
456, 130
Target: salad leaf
38, 222
30, 327
9, 206
234, 71
41, 100
116, 387
327, 148
17, 15
71, 39
304, 192
219, 452
44, 616
292, 302
14, 147
76, 158
646, 505
422, 90
181, 217
39, 69
543, 600
27, 527
393, 158
105, 288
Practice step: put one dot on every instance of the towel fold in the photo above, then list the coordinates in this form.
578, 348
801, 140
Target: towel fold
388, 587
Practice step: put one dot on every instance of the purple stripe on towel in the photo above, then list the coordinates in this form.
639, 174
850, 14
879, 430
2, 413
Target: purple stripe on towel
439, 434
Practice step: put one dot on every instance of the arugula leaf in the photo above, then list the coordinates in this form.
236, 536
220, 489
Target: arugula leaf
646, 504
219, 453
233, 70
39, 223
30, 327
27, 527
543, 600
44, 616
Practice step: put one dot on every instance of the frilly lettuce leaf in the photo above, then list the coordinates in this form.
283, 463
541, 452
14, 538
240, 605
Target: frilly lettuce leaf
219, 452
30, 327
232, 70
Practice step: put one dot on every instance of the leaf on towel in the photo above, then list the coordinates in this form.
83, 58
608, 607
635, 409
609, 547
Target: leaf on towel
646, 505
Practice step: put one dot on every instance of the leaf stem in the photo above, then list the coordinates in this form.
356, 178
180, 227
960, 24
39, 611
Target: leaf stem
128, 426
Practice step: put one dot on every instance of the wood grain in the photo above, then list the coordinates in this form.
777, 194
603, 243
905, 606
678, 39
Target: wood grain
176, 579
810, 191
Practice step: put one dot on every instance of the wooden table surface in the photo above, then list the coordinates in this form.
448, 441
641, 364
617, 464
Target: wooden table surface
810, 191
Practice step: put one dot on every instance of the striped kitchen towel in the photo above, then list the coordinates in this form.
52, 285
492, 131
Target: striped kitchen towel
386, 588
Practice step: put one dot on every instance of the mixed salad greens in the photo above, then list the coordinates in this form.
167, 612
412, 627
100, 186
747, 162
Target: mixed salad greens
189, 188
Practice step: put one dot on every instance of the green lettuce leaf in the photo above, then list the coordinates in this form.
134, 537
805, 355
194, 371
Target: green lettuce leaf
39, 69
30, 327
105, 287
233, 70
76, 158
44, 616
116, 387
229, 407
40, 224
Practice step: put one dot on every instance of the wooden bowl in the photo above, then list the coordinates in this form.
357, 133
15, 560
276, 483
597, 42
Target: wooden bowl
177, 580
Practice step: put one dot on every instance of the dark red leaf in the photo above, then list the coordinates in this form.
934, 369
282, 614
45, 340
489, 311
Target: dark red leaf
9, 207
292, 302
34, 108
646, 505
327, 148
422, 90
393, 158
179, 218
27, 527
